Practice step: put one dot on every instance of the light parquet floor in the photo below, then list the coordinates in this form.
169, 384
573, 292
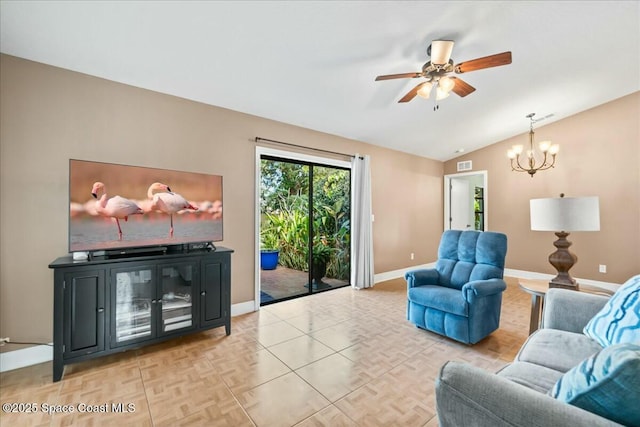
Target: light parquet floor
338, 358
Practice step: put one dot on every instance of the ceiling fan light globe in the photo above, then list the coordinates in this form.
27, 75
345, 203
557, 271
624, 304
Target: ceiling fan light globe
441, 51
441, 94
425, 90
446, 83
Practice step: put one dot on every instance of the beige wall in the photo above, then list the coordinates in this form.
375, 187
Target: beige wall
49, 115
599, 156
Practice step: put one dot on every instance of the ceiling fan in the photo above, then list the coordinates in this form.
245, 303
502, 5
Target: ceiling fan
437, 70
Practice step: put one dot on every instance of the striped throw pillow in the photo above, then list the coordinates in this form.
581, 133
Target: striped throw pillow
619, 320
607, 384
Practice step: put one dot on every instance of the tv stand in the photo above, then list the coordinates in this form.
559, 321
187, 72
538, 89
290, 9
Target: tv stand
110, 304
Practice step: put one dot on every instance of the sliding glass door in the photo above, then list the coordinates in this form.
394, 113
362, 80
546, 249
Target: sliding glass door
305, 228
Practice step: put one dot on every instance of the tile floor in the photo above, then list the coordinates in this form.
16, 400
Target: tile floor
338, 358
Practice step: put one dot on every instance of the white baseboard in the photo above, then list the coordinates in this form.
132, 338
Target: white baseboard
395, 274
389, 275
17, 359
242, 308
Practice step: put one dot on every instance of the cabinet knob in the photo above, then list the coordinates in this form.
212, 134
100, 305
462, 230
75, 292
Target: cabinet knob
153, 301
203, 293
100, 310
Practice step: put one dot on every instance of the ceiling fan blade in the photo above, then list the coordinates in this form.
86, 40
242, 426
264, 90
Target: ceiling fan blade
399, 76
412, 93
441, 51
461, 87
496, 60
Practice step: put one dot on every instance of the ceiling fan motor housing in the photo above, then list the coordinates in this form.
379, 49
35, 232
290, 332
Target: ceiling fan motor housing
430, 70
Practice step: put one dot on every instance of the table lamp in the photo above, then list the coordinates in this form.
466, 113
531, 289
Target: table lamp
562, 215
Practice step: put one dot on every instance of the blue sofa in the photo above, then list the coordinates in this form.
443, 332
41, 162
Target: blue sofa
461, 297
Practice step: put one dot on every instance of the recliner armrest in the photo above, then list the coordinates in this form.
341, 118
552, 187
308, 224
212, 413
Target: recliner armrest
427, 276
569, 310
469, 396
482, 288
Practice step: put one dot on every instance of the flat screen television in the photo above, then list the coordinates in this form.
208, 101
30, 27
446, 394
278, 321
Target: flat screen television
113, 207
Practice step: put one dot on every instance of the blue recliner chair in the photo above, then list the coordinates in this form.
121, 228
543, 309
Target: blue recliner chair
461, 297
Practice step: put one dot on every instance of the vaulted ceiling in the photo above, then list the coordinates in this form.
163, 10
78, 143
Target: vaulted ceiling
313, 63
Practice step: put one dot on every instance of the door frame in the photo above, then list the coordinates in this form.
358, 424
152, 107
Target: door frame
447, 195
289, 155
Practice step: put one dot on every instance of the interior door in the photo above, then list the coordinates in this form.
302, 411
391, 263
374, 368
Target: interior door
461, 207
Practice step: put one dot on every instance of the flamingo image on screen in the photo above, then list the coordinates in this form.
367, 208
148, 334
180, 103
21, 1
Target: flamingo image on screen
115, 207
167, 201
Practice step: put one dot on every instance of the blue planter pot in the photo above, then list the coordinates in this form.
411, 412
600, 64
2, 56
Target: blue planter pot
269, 259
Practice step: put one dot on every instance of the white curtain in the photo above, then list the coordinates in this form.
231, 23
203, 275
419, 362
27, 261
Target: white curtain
361, 224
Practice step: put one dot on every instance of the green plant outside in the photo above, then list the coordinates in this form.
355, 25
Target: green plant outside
268, 239
284, 220
321, 253
476, 209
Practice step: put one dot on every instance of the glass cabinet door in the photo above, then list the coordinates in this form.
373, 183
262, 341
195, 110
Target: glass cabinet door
134, 299
176, 296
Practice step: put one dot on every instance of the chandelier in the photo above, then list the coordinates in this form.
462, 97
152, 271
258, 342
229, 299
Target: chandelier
531, 161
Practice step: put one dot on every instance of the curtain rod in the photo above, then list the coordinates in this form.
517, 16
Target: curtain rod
258, 139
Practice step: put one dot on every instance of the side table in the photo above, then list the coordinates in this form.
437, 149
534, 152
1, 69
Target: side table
537, 288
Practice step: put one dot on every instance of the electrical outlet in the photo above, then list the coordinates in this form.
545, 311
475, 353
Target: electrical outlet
4, 340
602, 268
412, 255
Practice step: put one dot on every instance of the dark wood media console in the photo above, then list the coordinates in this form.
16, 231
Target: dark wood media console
104, 306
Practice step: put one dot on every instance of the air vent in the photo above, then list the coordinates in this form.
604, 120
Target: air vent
465, 166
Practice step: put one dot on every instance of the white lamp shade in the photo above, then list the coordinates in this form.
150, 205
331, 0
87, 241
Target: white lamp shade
565, 214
